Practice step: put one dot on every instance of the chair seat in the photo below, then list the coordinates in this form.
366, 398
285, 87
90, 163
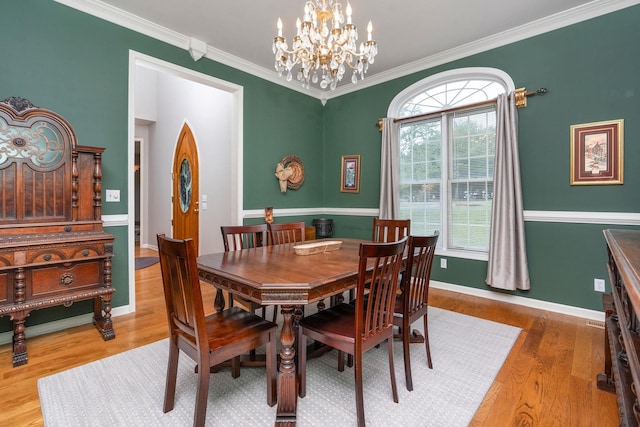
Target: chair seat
334, 324
233, 324
399, 307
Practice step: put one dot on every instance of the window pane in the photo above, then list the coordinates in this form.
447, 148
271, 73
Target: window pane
451, 94
473, 132
466, 180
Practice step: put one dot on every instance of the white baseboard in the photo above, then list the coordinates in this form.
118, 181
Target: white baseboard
518, 300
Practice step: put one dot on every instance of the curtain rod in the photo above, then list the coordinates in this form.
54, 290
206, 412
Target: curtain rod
521, 102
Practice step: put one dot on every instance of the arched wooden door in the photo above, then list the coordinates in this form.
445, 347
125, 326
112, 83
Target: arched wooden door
186, 205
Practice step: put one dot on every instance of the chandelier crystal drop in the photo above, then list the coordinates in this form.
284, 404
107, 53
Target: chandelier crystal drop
324, 46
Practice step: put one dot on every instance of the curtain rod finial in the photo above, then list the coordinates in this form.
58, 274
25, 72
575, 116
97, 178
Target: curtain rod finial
380, 125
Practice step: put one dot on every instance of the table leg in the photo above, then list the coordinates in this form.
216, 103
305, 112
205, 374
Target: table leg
219, 301
287, 386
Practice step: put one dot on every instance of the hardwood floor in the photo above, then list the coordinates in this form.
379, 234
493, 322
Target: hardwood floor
549, 379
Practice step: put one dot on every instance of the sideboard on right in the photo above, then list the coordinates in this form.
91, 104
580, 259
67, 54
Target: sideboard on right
622, 326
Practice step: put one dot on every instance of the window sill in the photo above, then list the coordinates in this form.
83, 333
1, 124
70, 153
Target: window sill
478, 256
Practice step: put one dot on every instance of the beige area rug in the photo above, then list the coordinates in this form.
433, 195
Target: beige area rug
127, 389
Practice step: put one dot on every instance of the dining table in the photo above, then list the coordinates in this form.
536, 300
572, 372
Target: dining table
279, 275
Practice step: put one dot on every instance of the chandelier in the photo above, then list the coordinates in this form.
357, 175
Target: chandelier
323, 49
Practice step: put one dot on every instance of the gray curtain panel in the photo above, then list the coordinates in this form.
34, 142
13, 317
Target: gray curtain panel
390, 171
507, 267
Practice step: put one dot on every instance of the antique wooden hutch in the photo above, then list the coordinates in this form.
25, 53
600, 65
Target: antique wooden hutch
53, 250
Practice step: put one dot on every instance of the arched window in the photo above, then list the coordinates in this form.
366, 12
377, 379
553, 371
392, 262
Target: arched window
447, 150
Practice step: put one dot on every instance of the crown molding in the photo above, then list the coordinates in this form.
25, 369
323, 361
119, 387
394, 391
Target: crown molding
572, 16
544, 25
133, 22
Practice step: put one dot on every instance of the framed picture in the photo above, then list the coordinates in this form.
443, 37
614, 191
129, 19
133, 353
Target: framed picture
350, 174
596, 153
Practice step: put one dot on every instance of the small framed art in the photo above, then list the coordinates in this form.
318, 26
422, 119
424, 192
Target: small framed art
350, 174
597, 153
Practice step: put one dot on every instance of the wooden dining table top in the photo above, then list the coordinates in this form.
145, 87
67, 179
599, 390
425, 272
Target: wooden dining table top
275, 274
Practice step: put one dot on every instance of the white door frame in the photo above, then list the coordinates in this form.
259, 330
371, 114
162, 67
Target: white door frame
138, 59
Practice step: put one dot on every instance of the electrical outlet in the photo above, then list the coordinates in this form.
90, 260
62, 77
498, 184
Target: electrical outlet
443, 263
598, 285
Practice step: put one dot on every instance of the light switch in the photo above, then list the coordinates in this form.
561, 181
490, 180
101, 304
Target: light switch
113, 195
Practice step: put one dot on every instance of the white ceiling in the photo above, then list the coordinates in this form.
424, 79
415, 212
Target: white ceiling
411, 34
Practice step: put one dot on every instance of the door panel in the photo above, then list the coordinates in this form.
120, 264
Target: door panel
186, 205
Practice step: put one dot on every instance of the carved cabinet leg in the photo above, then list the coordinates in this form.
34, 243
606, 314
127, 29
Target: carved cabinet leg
605, 379
102, 317
19, 339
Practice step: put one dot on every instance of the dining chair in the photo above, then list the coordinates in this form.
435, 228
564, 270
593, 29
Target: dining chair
290, 232
413, 303
238, 237
208, 340
286, 233
390, 230
387, 230
356, 328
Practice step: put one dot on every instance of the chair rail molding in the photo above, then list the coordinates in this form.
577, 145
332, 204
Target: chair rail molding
576, 217
571, 217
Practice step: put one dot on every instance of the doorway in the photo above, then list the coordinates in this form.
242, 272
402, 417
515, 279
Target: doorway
172, 97
186, 193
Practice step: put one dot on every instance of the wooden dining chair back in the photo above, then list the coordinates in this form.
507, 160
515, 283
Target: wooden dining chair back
390, 230
237, 237
356, 328
286, 233
387, 230
413, 303
208, 340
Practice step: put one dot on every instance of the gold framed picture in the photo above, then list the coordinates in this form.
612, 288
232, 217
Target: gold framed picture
350, 174
597, 153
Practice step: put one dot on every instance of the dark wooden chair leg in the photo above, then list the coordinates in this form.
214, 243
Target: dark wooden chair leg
426, 342
407, 357
172, 373
359, 393
202, 395
394, 388
302, 364
272, 371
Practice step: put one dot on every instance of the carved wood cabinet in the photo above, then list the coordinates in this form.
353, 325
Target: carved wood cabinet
53, 250
622, 325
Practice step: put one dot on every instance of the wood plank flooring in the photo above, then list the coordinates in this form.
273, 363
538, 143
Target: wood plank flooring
549, 379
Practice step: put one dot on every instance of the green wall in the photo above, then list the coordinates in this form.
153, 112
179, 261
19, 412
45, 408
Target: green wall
591, 71
77, 65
